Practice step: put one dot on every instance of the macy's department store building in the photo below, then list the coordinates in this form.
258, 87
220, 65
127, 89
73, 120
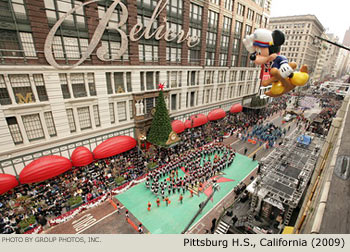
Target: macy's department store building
58, 90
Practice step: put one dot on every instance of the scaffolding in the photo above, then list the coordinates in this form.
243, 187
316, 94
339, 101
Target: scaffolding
285, 176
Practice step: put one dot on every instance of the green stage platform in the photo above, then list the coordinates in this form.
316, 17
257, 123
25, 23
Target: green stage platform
174, 218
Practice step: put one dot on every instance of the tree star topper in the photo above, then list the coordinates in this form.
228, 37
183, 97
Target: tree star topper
161, 86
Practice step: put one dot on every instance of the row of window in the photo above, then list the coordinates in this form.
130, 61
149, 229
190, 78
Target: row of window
32, 126
121, 108
77, 85
73, 47
24, 88
84, 117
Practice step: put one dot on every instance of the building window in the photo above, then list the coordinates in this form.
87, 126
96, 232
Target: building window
40, 87
217, 2
109, 83
150, 104
173, 54
248, 30
211, 39
121, 106
78, 85
17, 7
50, 124
244, 60
55, 9
240, 9
84, 118
128, 82
4, 94
174, 8
64, 86
234, 61
238, 29
258, 19
223, 59
173, 49
233, 75
119, 83
227, 25
242, 76
91, 83
250, 75
148, 53
196, 13
69, 47
33, 127
174, 79
16, 44
192, 98
209, 77
207, 96
222, 77
14, 130
224, 42
71, 120
111, 39
111, 112
213, 19
194, 52
250, 14
131, 109
173, 101
142, 82
96, 115
191, 78
229, 5
21, 88
210, 58
152, 78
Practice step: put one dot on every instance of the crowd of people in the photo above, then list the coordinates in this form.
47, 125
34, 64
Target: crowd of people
198, 166
53, 197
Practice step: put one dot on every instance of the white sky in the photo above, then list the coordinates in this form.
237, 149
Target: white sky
334, 15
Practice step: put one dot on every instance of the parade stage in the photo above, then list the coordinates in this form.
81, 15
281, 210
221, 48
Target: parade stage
173, 219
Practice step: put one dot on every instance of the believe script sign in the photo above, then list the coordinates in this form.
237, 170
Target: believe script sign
137, 32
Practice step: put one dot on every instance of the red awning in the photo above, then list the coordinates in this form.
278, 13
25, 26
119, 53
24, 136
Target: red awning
188, 124
81, 156
196, 120
216, 114
7, 182
114, 146
178, 126
236, 108
44, 168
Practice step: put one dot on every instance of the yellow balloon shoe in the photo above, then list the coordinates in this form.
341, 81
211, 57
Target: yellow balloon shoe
277, 88
300, 78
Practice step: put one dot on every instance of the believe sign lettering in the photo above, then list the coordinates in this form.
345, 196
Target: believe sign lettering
137, 32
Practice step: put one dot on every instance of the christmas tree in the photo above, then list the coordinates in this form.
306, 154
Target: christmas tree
161, 126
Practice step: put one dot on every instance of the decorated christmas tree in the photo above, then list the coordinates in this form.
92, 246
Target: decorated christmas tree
161, 126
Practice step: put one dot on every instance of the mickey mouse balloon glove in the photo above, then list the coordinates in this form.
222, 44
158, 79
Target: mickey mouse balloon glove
248, 43
286, 70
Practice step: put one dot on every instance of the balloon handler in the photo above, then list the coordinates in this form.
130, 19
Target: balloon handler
264, 47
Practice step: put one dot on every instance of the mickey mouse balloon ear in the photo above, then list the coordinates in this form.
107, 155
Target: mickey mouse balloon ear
278, 37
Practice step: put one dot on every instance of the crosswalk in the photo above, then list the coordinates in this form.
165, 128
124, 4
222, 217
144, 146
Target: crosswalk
222, 228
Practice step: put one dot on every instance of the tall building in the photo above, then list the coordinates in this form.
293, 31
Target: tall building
343, 66
325, 67
300, 45
331, 58
346, 40
76, 80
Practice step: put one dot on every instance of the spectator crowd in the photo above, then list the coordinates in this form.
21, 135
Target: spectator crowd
26, 205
